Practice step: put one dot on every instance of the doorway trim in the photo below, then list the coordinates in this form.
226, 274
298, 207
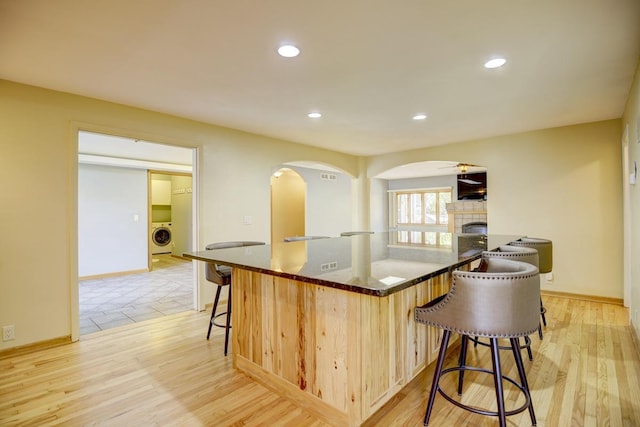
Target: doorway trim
626, 214
75, 127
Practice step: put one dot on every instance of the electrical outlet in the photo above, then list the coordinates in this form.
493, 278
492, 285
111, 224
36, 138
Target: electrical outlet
8, 333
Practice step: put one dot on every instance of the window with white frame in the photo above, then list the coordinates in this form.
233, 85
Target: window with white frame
419, 216
422, 207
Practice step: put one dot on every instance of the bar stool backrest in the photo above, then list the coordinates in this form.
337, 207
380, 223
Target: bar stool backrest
469, 308
516, 253
544, 248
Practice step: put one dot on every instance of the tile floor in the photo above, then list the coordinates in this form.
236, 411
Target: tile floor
115, 301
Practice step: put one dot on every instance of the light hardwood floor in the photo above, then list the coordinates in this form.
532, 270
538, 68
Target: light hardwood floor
586, 372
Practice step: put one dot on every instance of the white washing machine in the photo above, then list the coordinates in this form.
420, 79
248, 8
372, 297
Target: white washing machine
160, 238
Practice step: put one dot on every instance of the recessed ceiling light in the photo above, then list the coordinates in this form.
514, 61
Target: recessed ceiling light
288, 51
314, 115
420, 116
495, 63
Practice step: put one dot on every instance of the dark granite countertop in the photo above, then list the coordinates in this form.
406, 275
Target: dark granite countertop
370, 264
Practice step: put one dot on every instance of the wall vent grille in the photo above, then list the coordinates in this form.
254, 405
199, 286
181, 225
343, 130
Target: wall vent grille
329, 266
328, 176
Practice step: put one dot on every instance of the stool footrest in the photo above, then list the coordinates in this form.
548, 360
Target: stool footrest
527, 343
220, 325
483, 411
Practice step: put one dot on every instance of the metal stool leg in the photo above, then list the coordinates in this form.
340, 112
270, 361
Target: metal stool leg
543, 310
527, 343
540, 331
523, 378
497, 379
213, 311
436, 375
228, 326
462, 361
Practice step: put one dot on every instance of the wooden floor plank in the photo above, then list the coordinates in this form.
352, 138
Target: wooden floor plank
585, 371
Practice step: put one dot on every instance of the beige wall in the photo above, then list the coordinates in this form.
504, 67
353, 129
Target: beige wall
631, 121
562, 184
38, 161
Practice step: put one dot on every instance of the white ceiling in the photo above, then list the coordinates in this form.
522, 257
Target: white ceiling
368, 65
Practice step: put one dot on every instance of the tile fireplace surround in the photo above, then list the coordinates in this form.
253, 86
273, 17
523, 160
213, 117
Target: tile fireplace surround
466, 211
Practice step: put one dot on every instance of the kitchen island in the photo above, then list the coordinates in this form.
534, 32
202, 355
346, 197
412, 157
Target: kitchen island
329, 322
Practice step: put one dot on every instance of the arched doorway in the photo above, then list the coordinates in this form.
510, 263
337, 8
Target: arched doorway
415, 181
288, 201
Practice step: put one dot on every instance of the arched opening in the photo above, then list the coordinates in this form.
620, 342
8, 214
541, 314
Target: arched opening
430, 197
288, 203
299, 195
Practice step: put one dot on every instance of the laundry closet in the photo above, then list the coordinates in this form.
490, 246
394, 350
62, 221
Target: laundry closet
161, 234
170, 213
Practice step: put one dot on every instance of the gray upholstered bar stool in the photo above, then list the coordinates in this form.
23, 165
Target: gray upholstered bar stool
515, 253
221, 276
545, 262
469, 310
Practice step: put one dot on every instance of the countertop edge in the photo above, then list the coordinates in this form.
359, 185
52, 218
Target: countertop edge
351, 288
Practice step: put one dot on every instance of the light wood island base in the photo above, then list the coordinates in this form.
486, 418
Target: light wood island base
338, 353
